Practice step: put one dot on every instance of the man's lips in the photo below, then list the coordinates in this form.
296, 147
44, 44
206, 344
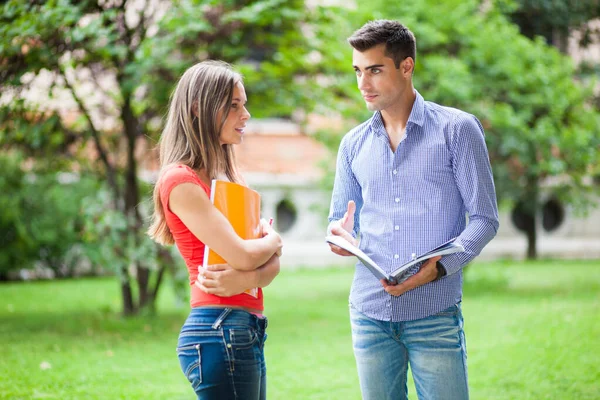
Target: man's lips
369, 97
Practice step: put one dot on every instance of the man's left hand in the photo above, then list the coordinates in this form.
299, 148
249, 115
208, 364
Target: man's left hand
427, 273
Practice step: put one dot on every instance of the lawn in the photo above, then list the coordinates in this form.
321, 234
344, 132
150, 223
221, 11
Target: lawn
533, 332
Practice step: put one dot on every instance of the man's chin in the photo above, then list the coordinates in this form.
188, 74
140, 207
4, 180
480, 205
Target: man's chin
372, 107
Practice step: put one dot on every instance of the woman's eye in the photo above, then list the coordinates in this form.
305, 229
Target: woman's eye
234, 105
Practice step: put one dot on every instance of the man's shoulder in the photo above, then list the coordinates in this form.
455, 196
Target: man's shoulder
357, 133
441, 111
457, 120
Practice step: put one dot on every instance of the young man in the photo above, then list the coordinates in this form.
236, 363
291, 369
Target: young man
411, 173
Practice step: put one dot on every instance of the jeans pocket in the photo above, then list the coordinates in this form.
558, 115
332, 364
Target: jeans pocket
190, 360
243, 347
242, 338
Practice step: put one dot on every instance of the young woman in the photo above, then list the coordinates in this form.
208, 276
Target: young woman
220, 346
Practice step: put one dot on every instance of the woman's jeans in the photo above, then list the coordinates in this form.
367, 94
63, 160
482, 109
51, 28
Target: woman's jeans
221, 353
433, 346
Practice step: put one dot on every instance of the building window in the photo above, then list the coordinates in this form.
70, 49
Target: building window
553, 215
285, 215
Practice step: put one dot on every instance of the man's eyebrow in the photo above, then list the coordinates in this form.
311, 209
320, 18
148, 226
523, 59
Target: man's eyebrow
370, 66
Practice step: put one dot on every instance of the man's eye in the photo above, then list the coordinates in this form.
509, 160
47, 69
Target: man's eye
357, 72
375, 70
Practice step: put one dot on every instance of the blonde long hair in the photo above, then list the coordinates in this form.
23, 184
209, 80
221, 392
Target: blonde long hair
192, 130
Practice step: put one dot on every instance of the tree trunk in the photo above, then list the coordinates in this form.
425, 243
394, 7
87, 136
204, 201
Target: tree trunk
128, 304
165, 259
132, 196
143, 277
532, 202
132, 199
532, 238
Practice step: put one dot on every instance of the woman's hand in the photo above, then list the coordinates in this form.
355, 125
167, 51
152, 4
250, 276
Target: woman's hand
268, 231
222, 280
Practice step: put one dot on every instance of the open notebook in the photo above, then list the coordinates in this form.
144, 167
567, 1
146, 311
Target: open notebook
399, 274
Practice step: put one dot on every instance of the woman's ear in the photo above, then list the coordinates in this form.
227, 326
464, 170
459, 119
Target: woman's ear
195, 108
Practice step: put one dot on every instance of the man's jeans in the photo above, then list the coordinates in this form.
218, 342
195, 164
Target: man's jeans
434, 347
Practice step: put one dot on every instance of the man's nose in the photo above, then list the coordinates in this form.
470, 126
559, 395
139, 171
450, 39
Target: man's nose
363, 82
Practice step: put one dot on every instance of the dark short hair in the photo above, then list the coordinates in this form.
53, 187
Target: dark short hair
399, 41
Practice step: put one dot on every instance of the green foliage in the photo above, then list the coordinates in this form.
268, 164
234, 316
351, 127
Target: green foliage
547, 17
270, 42
111, 239
40, 217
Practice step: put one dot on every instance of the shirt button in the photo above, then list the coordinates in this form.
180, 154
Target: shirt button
396, 227
394, 172
396, 256
397, 199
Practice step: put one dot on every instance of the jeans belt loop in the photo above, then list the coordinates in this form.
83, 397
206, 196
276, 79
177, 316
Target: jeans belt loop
221, 318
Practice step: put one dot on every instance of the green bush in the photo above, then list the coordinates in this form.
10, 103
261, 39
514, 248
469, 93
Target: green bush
40, 218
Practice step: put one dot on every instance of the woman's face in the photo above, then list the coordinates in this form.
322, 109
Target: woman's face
233, 129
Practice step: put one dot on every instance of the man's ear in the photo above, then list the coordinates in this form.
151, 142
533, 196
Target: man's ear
407, 66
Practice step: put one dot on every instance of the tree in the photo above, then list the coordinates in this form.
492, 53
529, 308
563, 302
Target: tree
541, 130
118, 61
554, 20
38, 226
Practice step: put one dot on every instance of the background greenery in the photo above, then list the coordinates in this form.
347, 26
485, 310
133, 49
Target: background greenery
532, 333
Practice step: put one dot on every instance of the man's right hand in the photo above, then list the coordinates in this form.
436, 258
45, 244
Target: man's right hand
343, 227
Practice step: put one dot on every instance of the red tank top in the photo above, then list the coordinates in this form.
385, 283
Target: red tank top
192, 249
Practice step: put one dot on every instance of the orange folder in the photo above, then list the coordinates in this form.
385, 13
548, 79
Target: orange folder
241, 206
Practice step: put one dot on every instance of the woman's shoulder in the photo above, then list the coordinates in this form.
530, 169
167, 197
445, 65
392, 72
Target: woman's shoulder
175, 174
177, 171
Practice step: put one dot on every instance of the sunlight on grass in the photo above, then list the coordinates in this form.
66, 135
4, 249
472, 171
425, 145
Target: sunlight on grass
532, 333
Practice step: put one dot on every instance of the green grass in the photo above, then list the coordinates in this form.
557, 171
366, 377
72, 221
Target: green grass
533, 332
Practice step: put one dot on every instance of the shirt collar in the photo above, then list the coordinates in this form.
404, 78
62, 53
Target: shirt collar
417, 115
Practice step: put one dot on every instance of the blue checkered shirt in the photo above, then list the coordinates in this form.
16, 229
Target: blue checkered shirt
436, 186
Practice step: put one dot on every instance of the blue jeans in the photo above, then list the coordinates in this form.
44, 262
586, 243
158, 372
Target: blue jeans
433, 346
220, 351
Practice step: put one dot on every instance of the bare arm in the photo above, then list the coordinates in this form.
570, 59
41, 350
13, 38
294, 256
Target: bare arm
268, 272
191, 204
222, 280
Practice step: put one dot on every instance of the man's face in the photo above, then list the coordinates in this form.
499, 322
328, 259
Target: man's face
381, 84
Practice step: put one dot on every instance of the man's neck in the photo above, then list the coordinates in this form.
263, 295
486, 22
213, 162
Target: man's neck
396, 117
